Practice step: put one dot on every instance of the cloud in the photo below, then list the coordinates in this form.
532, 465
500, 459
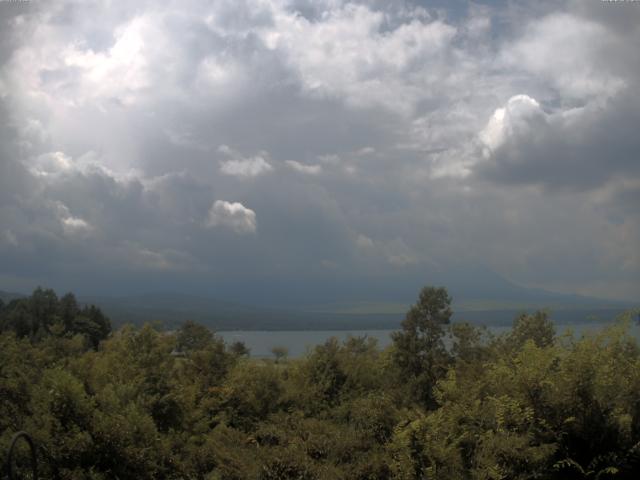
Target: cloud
364, 242
51, 163
574, 148
240, 166
329, 159
71, 225
366, 151
306, 169
165, 260
234, 215
354, 54
473, 135
564, 50
74, 225
515, 118
123, 70
250, 167
9, 238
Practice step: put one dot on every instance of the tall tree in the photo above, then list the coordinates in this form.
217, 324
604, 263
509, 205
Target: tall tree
280, 352
68, 310
537, 327
193, 336
419, 347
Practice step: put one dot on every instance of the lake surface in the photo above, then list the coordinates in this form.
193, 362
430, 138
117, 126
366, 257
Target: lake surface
298, 342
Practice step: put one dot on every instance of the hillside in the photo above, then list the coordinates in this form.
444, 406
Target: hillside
6, 297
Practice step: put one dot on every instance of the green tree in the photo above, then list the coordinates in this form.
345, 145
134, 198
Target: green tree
250, 394
193, 336
43, 305
323, 375
42, 315
239, 349
91, 323
68, 310
419, 348
19, 318
280, 353
537, 327
524, 405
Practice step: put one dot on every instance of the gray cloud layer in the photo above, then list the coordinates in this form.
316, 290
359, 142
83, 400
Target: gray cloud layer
214, 145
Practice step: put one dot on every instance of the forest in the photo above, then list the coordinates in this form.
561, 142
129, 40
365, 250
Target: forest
444, 401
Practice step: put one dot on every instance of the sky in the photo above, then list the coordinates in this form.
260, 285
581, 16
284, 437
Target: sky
256, 149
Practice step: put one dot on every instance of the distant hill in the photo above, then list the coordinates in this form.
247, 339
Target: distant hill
6, 297
470, 286
343, 303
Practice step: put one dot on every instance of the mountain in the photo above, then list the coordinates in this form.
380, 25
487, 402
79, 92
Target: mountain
345, 303
170, 310
467, 285
6, 297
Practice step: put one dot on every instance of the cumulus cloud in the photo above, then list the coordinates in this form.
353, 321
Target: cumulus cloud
564, 148
239, 166
353, 54
306, 169
250, 167
73, 225
566, 51
51, 163
515, 118
232, 215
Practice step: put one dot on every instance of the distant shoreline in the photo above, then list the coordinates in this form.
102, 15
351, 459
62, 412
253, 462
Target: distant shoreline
382, 321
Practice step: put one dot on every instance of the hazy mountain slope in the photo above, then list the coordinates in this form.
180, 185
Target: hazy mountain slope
467, 285
8, 296
479, 296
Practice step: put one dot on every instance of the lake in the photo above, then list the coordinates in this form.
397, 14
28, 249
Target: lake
298, 341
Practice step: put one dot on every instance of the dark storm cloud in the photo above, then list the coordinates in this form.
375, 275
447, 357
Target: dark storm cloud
283, 148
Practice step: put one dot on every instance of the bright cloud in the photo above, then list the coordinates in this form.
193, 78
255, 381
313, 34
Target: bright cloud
350, 54
75, 225
250, 167
239, 166
234, 215
50, 163
564, 49
510, 120
306, 169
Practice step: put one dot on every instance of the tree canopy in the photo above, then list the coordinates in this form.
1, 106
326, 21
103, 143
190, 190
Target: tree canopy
419, 351
43, 314
446, 402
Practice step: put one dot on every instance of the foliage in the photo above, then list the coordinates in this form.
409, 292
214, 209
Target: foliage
419, 347
280, 353
43, 314
443, 402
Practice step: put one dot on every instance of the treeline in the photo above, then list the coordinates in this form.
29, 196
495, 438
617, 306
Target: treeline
44, 314
141, 403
